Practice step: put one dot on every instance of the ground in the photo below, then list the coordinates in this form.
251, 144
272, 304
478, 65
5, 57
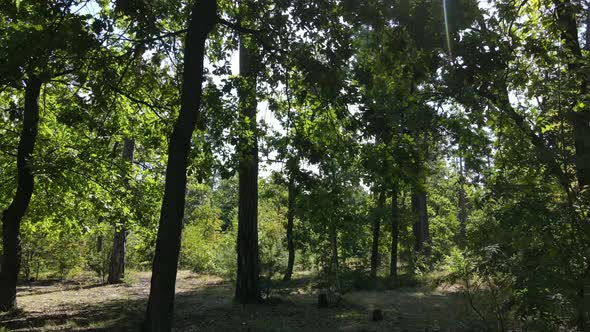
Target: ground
204, 303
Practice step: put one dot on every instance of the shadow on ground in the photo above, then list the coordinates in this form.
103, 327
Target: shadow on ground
209, 307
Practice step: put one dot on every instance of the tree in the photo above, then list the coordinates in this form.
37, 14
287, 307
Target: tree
532, 101
290, 221
12, 217
117, 264
376, 233
395, 215
48, 29
161, 299
247, 281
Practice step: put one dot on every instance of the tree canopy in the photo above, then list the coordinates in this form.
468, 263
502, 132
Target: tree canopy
375, 141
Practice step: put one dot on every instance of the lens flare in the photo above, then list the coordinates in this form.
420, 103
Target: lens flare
447, 29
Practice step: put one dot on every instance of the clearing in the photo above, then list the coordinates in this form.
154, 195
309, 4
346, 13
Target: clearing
204, 303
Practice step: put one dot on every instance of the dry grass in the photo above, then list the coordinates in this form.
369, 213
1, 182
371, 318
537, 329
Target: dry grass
204, 303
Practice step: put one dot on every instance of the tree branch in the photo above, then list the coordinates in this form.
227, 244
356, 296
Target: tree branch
141, 102
237, 27
160, 37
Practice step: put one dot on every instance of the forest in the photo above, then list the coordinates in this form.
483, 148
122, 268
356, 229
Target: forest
293, 165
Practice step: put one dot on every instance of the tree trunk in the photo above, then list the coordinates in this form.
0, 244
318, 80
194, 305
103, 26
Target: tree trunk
99, 243
161, 299
117, 264
417, 226
394, 232
425, 223
290, 219
247, 281
462, 202
421, 227
580, 119
581, 123
12, 217
376, 231
334, 248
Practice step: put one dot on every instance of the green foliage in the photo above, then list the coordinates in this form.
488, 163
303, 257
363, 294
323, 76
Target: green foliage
272, 216
202, 238
483, 107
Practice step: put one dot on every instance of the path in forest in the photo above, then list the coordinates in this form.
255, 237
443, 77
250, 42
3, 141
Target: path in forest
204, 303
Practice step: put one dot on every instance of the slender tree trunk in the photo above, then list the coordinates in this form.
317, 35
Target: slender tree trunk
394, 232
417, 226
290, 219
12, 217
117, 261
421, 227
334, 248
425, 222
247, 281
580, 119
462, 203
581, 124
376, 231
99, 243
117, 264
161, 299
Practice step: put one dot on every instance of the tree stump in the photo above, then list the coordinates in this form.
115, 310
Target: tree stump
377, 315
322, 300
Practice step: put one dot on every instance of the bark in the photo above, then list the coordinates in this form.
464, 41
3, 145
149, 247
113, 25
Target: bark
580, 119
425, 222
462, 202
99, 243
161, 299
376, 231
421, 227
334, 249
247, 281
394, 232
417, 226
12, 217
290, 219
117, 263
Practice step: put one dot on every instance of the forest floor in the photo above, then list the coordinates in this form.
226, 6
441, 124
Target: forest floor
204, 303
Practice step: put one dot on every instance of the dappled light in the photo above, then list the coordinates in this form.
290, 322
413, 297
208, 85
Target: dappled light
276, 165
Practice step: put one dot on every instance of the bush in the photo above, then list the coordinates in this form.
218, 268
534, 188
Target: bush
48, 252
99, 253
206, 247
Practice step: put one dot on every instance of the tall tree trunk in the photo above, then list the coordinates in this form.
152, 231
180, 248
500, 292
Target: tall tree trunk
417, 226
376, 231
581, 124
334, 249
421, 227
12, 217
117, 264
99, 243
425, 222
580, 119
394, 232
247, 281
161, 299
462, 203
290, 219
566, 22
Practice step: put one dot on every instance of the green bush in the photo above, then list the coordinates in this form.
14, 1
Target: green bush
46, 252
206, 247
